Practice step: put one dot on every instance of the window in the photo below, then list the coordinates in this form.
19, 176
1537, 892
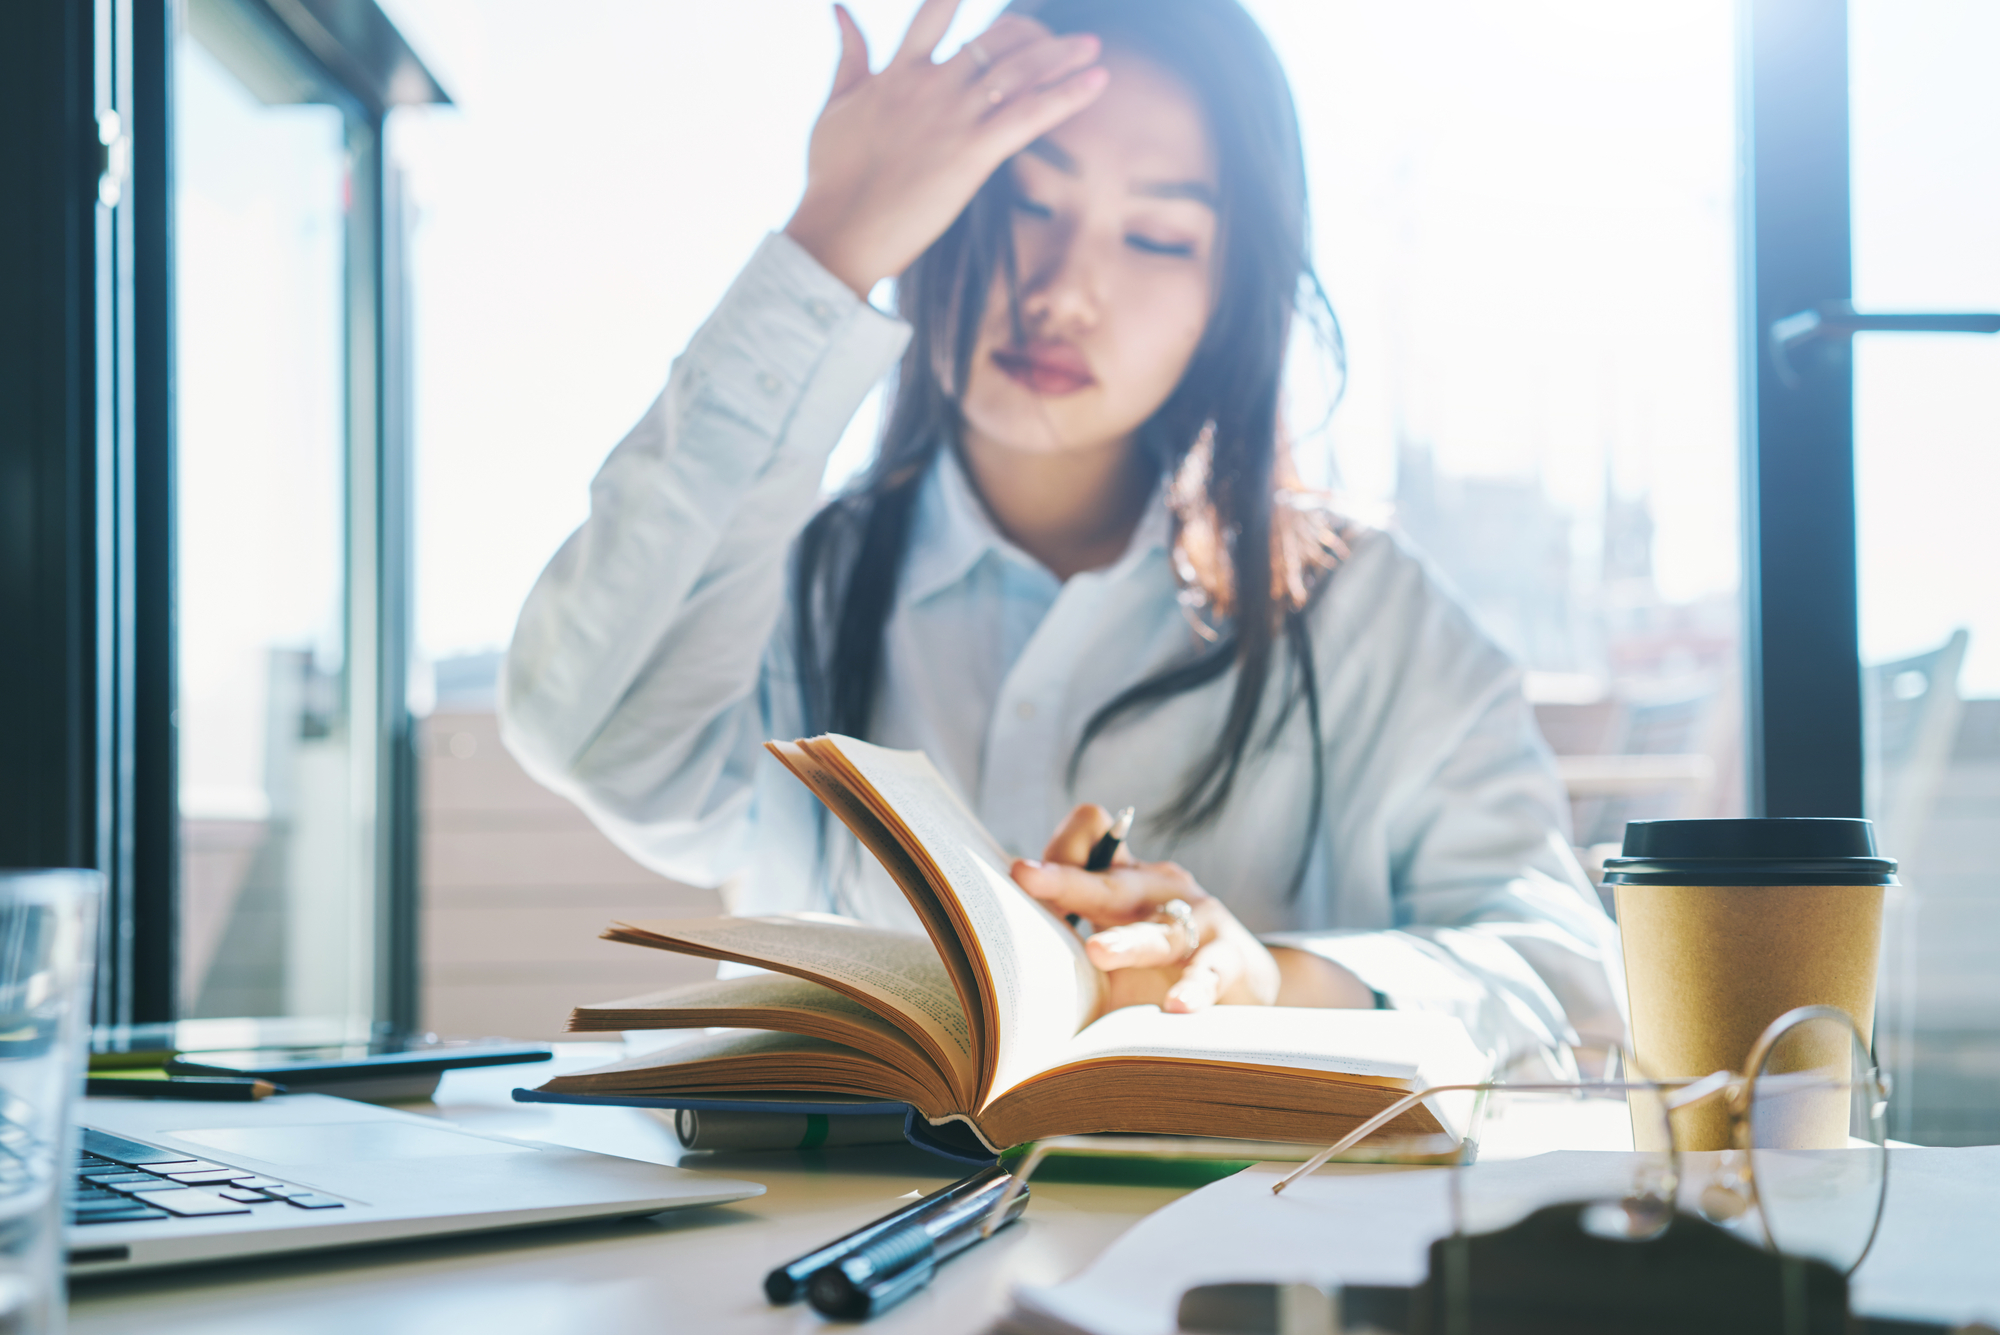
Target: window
1540, 316
273, 869
1927, 463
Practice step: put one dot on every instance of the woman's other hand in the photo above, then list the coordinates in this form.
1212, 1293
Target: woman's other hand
897, 155
1148, 961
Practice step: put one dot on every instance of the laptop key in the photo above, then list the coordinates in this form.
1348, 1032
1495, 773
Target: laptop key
119, 1175
247, 1197
141, 1184
131, 1214
208, 1176
314, 1201
104, 1145
187, 1201
257, 1183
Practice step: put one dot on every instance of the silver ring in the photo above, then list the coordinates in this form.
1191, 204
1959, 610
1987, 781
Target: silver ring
979, 56
1181, 915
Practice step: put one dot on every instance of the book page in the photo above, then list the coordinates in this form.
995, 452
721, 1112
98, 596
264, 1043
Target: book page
720, 1066
1405, 1048
898, 975
767, 1001
1041, 988
832, 788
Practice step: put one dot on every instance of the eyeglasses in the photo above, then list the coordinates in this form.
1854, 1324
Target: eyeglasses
1793, 1153
1801, 1139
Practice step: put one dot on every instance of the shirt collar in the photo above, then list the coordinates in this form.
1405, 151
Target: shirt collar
952, 533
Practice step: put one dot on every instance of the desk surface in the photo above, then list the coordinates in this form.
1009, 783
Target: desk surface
696, 1269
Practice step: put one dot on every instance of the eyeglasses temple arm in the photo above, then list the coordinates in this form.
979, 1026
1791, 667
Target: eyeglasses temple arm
1361, 1132
1408, 1101
1015, 1184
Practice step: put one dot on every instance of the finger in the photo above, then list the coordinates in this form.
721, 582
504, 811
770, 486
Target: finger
853, 67
1036, 65
1142, 945
1026, 117
1009, 33
926, 30
1121, 895
1079, 832
1200, 987
1209, 975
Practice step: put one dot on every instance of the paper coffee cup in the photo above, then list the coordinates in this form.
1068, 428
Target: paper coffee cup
1728, 924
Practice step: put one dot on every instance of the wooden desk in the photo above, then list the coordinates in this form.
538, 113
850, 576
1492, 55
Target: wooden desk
692, 1270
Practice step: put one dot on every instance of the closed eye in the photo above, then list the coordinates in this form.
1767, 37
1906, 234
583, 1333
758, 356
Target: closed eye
1032, 209
1147, 245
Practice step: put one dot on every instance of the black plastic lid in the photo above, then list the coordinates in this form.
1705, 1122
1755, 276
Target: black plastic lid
1800, 850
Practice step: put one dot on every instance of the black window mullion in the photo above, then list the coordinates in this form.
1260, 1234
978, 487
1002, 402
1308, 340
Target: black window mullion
48, 410
155, 822
1803, 663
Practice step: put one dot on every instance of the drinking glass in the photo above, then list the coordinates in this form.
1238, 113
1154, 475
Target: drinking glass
48, 934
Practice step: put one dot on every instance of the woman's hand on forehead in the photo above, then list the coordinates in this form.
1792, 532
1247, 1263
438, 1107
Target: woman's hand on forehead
898, 153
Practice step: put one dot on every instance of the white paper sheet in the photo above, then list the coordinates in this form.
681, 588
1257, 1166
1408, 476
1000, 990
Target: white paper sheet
1934, 1258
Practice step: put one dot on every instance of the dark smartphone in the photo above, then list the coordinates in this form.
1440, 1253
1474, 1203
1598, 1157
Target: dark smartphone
307, 1068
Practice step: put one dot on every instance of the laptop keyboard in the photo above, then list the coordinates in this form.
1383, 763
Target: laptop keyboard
120, 1181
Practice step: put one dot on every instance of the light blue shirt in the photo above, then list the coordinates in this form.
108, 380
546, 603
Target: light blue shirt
654, 658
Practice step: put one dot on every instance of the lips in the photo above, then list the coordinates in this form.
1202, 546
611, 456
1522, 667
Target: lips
1045, 368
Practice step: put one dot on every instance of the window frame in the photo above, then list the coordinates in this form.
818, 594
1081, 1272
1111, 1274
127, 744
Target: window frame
88, 745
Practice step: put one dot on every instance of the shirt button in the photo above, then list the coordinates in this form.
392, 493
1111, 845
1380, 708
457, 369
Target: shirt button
1025, 710
820, 311
770, 384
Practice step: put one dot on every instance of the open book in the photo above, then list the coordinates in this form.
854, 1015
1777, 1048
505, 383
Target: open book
990, 1018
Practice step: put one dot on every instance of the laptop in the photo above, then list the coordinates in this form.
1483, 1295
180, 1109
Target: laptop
165, 1183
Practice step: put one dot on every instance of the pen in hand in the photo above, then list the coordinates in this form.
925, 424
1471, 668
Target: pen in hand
1104, 850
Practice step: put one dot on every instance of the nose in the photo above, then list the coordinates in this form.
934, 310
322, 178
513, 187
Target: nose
1065, 293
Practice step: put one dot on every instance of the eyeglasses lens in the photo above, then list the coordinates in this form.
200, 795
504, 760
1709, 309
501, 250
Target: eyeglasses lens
1817, 1133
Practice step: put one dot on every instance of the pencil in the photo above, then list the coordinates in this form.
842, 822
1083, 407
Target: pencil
209, 1088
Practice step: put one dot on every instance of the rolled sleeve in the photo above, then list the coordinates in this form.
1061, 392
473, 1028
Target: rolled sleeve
631, 679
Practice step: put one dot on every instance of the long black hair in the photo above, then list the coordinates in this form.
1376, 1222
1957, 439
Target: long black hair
1217, 438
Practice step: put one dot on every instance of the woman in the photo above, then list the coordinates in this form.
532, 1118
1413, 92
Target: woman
1096, 217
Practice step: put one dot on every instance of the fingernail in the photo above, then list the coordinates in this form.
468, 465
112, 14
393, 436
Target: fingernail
1029, 863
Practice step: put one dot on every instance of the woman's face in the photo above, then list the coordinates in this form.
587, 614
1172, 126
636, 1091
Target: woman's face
1115, 240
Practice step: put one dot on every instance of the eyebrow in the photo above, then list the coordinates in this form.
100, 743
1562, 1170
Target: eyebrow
1199, 191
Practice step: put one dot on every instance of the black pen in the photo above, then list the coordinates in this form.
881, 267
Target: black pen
1106, 848
871, 1280
1103, 851
787, 1284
